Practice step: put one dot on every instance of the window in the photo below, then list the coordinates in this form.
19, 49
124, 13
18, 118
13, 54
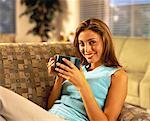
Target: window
124, 17
7, 16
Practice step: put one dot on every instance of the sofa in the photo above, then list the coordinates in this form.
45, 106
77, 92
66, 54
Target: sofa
23, 69
134, 55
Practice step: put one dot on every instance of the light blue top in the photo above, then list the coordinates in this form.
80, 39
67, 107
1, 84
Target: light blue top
70, 105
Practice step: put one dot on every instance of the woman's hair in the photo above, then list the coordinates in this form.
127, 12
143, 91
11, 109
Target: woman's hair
108, 57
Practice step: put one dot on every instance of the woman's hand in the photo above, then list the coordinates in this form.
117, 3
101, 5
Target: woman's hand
51, 65
71, 73
51, 70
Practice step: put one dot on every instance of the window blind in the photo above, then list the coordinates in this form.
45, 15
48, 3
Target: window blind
91, 9
124, 17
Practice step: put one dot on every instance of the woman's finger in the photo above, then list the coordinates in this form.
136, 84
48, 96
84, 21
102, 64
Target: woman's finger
64, 67
64, 76
69, 63
50, 63
59, 70
52, 58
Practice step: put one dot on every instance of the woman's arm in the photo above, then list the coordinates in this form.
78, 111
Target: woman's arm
56, 91
92, 108
116, 95
114, 101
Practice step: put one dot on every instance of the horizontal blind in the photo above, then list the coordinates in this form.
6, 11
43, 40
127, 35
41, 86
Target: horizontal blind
91, 9
142, 20
125, 17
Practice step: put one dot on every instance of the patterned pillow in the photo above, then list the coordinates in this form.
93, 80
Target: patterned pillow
133, 113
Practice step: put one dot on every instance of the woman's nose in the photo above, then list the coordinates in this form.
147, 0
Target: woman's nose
87, 48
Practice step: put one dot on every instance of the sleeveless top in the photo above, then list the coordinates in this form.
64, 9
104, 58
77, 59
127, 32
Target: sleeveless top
70, 105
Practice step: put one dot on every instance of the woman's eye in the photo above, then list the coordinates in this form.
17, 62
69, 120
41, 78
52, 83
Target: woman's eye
92, 42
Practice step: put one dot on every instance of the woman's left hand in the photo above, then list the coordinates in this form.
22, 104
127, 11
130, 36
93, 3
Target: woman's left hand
71, 73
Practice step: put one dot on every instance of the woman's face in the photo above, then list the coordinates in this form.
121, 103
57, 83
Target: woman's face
91, 46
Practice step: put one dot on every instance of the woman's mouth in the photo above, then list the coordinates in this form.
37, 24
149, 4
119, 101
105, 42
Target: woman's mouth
89, 56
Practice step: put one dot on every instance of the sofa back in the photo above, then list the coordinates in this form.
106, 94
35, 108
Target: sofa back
23, 68
135, 54
118, 44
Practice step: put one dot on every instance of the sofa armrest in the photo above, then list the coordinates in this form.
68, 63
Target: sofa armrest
133, 113
145, 89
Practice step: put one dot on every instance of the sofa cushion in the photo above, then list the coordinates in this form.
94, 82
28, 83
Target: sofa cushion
135, 54
23, 68
134, 83
133, 100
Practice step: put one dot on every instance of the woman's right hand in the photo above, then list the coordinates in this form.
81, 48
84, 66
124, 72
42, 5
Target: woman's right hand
50, 65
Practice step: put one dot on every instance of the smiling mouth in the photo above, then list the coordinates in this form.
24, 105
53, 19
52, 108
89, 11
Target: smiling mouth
89, 55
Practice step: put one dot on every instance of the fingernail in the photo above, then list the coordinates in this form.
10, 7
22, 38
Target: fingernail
63, 59
57, 64
56, 69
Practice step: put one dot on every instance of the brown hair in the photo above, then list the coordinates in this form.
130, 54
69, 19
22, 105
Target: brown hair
108, 55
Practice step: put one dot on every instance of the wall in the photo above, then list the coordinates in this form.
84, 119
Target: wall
66, 22
22, 26
73, 16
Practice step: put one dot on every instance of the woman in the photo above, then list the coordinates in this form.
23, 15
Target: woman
96, 92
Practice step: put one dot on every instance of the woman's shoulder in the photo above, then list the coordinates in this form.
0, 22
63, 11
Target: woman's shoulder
120, 74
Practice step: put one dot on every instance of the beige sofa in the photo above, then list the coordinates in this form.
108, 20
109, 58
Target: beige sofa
23, 69
134, 54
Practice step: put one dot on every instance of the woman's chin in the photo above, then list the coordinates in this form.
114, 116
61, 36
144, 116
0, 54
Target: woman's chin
89, 61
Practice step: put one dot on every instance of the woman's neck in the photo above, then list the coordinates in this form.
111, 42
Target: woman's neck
93, 66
